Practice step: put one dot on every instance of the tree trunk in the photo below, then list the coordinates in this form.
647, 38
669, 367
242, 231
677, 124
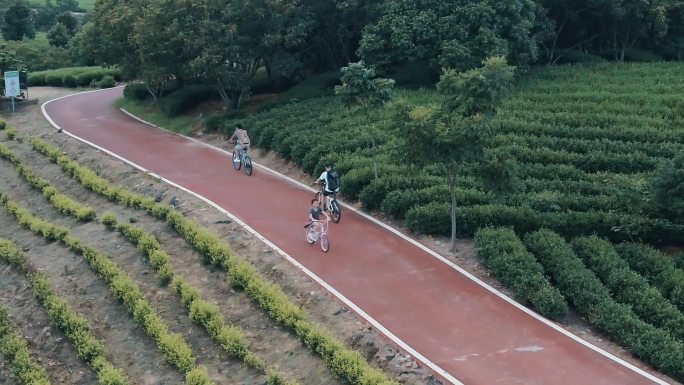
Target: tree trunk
451, 176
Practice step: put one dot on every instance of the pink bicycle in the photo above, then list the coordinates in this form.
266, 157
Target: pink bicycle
313, 234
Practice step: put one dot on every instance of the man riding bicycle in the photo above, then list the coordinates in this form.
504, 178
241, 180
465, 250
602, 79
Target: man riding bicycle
240, 138
331, 184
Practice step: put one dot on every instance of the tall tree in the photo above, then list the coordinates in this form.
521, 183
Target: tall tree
362, 89
18, 22
455, 34
458, 130
69, 21
59, 35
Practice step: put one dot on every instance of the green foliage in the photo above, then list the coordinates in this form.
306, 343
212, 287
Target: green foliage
657, 268
668, 187
456, 35
184, 99
571, 56
593, 301
15, 352
59, 35
18, 22
75, 76
347, 364
136, 91
628, 287
360, 87
505, 256
107, 81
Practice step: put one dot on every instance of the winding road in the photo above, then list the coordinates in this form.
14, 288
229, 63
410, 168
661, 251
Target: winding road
465, 331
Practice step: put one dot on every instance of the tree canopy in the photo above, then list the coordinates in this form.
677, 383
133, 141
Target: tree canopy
18, 22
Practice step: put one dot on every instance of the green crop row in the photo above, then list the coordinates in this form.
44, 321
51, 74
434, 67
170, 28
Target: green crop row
628, 287
173, 346
16, 353
505, 256
659, 269
75, 77
61, 202
347, 364
87, 347
205, 314
593, 301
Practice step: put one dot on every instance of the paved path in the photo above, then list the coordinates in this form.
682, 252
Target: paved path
459, 326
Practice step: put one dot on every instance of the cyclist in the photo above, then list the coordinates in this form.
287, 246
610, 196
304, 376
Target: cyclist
315, 215
240, 138
331, 184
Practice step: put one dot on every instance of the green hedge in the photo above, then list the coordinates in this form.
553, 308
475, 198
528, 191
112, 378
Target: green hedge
593, 301
87, 347
347, 364
505, 256
15, 351
173, 346
659, 269
187, 98
628, 287
76, 77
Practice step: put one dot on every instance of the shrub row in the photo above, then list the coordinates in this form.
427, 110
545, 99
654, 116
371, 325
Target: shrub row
347, 364
505, 256
434, 218
659, 269
61, 202
592, 300
187, 98
173, 346
15, 351
87, 347
628, 287
76, 77
204, 313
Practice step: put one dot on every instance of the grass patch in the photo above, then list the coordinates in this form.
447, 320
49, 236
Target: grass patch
151, 113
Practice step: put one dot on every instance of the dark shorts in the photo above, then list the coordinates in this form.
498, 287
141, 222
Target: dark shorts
327, 193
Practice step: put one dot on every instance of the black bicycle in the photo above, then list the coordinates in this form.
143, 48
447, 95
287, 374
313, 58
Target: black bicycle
335, 211
241, 158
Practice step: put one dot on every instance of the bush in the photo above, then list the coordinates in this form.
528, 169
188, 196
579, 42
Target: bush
15, 352
85, 79
572, 56
106, 82
628, 287
186, 98
667, 185
53, 80
136, 91
631, 55
374, 194
504, 255
36, 79
592, 300
69, 81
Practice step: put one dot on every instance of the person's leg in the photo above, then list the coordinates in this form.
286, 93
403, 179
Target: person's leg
238, 147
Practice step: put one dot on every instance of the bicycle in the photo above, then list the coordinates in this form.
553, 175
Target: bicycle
312, 234
240, 157
335, 211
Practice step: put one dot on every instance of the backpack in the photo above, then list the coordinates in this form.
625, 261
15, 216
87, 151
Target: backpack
333, 181
245, 137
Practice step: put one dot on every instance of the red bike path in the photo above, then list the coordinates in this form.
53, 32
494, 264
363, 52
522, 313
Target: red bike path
454, 323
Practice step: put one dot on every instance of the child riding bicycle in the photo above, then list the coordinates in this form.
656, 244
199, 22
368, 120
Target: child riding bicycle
315, 216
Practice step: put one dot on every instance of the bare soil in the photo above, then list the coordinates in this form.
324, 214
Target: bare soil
277, 346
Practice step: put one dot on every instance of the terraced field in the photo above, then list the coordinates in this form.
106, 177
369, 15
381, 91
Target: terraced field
145, 295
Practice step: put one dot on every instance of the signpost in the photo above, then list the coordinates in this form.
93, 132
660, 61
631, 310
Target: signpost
12, 88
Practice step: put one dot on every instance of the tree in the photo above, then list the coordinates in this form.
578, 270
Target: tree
668, 188
457, 131
455, 34
361, 88
58, 36
18, 22
69, 21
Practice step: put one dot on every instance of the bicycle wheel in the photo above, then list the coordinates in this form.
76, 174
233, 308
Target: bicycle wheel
310, 235
248, 165
236, 160
325, 243
335, 211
